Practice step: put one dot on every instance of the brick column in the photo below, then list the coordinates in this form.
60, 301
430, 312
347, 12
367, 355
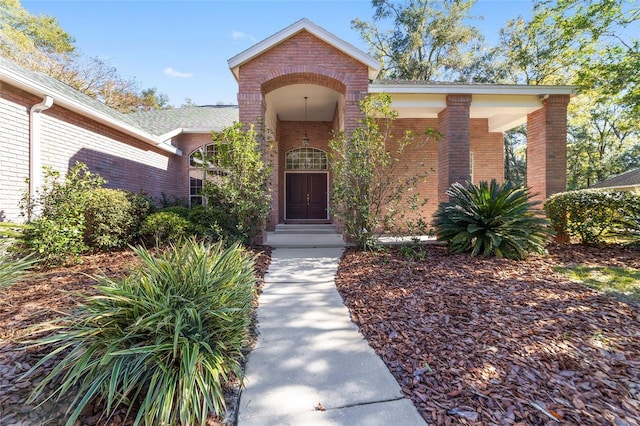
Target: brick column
251, 107
352, 113
547, 147
453, 148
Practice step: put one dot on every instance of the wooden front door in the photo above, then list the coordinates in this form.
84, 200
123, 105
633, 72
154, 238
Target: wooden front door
306, 197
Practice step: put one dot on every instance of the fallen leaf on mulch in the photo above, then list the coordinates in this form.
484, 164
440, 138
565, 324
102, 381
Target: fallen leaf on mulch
491, 341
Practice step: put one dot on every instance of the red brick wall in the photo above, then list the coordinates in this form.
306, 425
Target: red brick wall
453, 148
547, 147
301, 59
421, 156
67, 137
488, 152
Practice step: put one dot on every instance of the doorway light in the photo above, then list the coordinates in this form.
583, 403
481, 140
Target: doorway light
305, 139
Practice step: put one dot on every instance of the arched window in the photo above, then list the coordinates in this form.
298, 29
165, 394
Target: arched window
306, 159
202, 167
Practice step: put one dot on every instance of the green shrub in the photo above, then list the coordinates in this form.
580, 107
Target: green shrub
142, 206
163, 340
162, 227
373, 192
592, 216
12, 267
109, 222
241, 189
58, 232
492, 220
212, 223
183, 212
56, 241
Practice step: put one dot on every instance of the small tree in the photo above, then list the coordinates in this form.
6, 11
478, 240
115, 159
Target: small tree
239, 183
370, 196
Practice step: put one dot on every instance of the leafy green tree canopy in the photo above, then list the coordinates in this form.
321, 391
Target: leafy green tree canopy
428, 39
38, 43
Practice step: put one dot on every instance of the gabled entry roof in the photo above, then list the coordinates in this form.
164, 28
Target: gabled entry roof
304, 25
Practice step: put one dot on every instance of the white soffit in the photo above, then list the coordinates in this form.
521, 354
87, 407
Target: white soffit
304, 25
504, 110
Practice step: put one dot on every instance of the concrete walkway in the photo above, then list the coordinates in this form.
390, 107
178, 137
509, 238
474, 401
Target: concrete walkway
309, 353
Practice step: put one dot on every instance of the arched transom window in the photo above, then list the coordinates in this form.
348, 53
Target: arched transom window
306, 159
202, 167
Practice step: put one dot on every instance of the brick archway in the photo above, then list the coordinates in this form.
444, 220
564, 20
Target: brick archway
285, 77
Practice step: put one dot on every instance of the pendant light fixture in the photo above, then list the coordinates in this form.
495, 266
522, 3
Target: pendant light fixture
305, 139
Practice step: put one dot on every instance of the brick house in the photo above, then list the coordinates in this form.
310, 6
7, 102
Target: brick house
303, 83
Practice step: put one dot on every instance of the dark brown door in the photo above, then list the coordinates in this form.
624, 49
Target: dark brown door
306, 196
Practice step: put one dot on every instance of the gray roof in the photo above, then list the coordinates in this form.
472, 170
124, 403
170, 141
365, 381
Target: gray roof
208, 117
630, 178
63, 89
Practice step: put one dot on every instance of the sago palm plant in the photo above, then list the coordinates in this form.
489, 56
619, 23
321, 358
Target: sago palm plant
163, 340
492, 220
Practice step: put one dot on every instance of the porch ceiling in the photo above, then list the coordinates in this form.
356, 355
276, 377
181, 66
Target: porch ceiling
288, 102
503, 112
505, 107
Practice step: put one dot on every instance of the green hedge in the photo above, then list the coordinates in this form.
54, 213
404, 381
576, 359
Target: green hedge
164, 227
113, 217
595, 216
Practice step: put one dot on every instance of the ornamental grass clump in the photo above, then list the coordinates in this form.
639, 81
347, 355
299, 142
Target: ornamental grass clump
12, 267
162, 341
492, 220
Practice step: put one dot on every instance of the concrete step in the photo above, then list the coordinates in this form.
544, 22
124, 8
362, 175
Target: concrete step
291, 228
305, 236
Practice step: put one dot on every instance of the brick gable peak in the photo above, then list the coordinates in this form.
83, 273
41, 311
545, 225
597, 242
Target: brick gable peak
304, 24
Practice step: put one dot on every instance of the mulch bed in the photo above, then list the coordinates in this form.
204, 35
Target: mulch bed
487, 341
46, 295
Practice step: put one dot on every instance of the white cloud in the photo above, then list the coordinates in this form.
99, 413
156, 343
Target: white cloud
175, 73
238, 35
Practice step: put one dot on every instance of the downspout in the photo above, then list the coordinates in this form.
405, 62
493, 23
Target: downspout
35, 161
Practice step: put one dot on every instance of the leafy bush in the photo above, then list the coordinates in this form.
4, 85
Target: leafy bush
183, 212
592, 216
162, 227
241, 189
12, 267
113, 217
165, 339
492, 220
212, 223
58, 232
371, 193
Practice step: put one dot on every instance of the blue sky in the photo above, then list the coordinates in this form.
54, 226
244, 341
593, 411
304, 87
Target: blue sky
182, 47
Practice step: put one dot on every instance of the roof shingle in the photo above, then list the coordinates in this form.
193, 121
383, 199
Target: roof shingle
208, 117
630, 178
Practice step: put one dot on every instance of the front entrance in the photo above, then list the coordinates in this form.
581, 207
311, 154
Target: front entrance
306, 196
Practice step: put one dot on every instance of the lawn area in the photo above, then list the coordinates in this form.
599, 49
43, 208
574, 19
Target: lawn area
617, 281
490, 341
